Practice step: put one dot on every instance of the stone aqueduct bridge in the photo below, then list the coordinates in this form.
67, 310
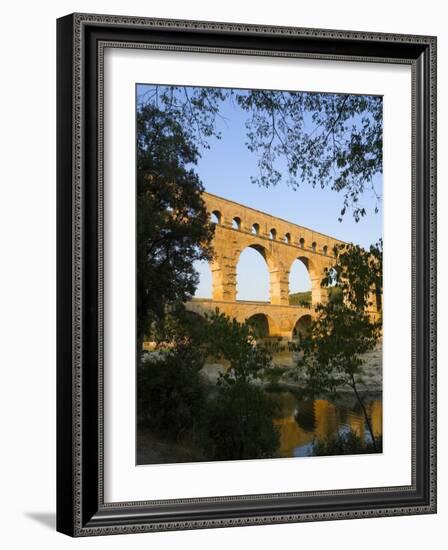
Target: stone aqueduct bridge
280, 243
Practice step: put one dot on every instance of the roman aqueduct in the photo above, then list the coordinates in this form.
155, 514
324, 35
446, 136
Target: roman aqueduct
280, 243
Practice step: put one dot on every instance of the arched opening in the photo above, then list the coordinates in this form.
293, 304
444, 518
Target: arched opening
273, 234
325, 249
263, 326
302, 242
196, 317
236, 223
252, 275
302, 327
255, 229
287, 238
314, 246
204, 288
300, 284
259, 325
215, 217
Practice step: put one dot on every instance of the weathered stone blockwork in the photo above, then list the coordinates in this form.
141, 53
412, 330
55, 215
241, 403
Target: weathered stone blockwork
280, 243
282, 320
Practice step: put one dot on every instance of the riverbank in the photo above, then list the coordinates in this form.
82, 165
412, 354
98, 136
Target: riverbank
301, 423
371, 380
153, 449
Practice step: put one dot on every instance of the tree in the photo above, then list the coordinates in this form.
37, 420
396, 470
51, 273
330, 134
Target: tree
171, 393
226, 338
343, 331
344, 443
173, 228
326, 140
240, 418
322, 139
240, 423
234, 420
357, 275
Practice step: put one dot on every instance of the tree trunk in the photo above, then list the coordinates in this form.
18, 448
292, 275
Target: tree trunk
366, 416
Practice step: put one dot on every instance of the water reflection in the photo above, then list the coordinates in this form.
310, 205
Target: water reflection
302, 422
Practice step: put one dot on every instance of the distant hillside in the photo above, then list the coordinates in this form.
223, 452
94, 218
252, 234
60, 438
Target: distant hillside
304, 298
300, 298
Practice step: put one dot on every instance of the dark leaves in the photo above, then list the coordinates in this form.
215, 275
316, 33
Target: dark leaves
173, 228
343, 330
326, 140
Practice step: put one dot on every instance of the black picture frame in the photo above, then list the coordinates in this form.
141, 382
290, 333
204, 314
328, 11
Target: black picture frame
81, 510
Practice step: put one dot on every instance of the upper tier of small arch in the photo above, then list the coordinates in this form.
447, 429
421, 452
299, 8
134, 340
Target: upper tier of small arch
239, 217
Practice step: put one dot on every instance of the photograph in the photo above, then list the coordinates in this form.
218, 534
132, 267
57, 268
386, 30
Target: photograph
259, 274
246, 273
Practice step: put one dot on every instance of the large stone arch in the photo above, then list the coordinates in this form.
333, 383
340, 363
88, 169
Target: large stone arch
276, 281
302, 327
271, 326
316, 270
263, 250
260, 274
233, 234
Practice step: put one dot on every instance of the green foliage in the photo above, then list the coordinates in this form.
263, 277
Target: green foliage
194, 109
171, 394
241, 417
304, 298
342, 332
332, 140
345, 443
259, 326
300, 299
226, 338
332, 355
240, 423
231, 421
173, 229
322, 139
357, 275
183, 329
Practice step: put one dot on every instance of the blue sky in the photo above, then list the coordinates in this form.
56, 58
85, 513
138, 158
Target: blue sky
225, 170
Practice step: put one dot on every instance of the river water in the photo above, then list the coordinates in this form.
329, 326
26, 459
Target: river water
303, 421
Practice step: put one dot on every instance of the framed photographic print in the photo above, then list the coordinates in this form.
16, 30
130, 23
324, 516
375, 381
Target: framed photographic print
246, 274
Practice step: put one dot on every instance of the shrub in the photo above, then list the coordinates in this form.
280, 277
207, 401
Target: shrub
345, 443
171, 393
240, 423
